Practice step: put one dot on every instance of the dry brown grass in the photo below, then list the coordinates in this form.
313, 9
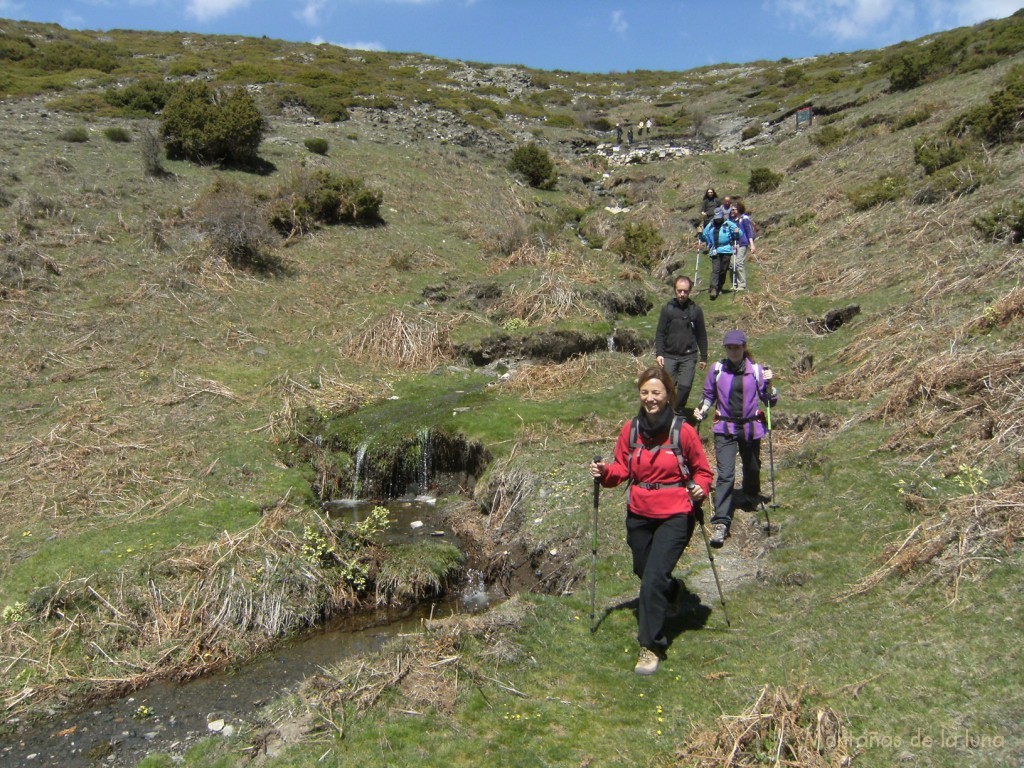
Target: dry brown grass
399, 341
967, 532
201, 608
424, 670
551, 382
554, 297
777, 730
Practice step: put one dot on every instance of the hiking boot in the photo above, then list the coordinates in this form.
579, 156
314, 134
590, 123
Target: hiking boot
719, 532
648, 662
712, 294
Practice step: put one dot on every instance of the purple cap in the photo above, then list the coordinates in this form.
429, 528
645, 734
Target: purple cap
735, 337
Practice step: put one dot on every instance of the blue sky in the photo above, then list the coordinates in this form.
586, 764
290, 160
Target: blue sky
575, 35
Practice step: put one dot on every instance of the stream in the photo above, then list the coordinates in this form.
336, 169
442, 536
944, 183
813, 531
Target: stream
169, 717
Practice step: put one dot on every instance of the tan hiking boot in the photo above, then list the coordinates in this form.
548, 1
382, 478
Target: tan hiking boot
648, 662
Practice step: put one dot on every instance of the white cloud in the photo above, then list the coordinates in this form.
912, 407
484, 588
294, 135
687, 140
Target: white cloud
357, 46
310, 12
204, 10
619, 24
961, 13
850, 19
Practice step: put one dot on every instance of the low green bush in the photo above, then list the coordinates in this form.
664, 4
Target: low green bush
763, 180
317, 145
143, 97
751, 131
912, 118
886, 189
827, 137
1003, 225
933, 154
642, 244
76, 135
534, 164
310, 198
117, 134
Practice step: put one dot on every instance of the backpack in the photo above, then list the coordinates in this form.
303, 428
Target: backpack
753, 225
675, 442
758, 381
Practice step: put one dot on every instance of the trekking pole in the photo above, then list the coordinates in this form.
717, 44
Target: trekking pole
696, 268
593, 553
771, 465
699, 512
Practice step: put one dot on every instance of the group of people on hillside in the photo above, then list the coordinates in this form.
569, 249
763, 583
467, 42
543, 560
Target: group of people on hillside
642, 124
728, 232
660, 455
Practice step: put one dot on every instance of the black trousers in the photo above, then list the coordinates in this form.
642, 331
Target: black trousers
657, 546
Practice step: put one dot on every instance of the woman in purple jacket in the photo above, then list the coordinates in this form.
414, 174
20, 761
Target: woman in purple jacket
735, 387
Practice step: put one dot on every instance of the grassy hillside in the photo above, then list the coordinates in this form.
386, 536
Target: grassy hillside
161, 402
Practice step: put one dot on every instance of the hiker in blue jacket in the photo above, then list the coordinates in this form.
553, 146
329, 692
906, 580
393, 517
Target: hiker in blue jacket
735, 388
721, 237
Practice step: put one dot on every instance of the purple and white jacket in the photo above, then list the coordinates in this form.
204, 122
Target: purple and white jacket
737, 397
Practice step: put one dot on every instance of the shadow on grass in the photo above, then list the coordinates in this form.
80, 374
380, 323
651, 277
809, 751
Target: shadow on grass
692, 614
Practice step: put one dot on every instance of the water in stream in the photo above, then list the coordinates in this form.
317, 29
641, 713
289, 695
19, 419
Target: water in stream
168, 717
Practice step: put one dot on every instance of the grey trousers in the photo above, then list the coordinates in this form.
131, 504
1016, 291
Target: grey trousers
726, 449
682, 370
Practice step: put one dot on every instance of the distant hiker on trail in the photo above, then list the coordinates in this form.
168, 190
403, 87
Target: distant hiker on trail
629, 134
748, 233
680, 340
662, 458
721, 237
640, 129
735, 387
649, 124
618, 133
708, 204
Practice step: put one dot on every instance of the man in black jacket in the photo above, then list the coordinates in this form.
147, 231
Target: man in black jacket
681, 342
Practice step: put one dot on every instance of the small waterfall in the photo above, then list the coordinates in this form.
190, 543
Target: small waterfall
357, 473
474, 595
426, 459
611, 341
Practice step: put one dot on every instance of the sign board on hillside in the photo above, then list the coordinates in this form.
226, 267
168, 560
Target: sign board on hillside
804, 116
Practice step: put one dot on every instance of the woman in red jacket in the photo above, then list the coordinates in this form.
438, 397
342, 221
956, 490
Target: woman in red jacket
666, 481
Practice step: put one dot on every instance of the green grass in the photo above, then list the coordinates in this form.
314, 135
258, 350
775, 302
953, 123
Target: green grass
146, 393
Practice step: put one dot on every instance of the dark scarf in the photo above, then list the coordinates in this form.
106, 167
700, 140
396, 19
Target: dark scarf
650, 428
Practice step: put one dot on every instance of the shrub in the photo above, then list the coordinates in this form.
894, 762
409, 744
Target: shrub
151, 153
751, 131
535, 165
117, 134
886, 189
76, 135
1001, 121
829, 136
317, 197
935, 153
949, 183
642, 244
1004, 225
200, 125
235, 226
144, 97
907, 72
763, 180
317, 145
802, 162
912, 118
